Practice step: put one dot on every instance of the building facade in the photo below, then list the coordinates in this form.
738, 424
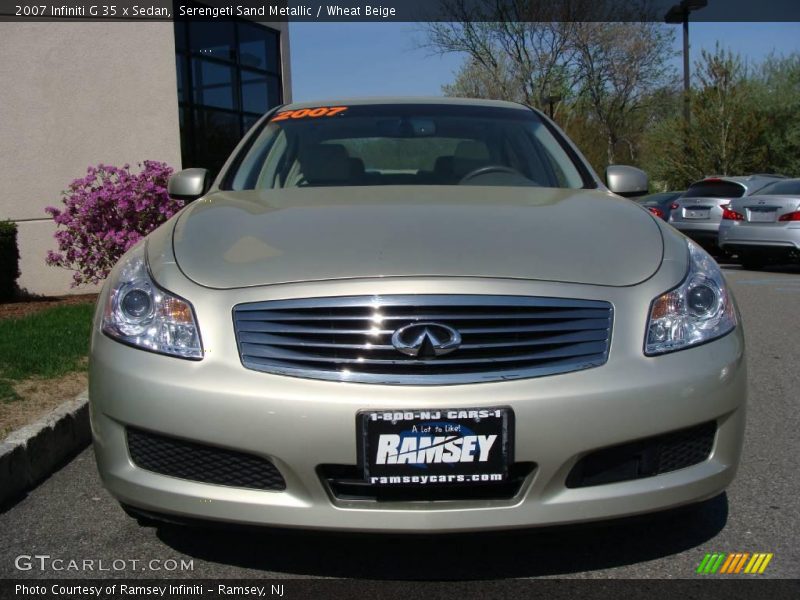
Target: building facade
78, 94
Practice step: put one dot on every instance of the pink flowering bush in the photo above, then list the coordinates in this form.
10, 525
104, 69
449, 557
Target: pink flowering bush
107, 212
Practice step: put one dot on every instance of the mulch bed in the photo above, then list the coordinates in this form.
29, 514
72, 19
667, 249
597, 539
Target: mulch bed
29, 306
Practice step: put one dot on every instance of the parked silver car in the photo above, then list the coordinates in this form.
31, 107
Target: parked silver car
764, 227
698, 212
419, 315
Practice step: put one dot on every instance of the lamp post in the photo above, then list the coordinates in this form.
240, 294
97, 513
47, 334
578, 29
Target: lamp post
550, 101
679, 13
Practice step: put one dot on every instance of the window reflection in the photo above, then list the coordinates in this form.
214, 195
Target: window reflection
212, 84
254, 91
259, 48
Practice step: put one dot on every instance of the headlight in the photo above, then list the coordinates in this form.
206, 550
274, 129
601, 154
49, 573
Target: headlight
139, 313
699, 310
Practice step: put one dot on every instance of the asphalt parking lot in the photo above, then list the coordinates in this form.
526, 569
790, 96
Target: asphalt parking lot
70, 516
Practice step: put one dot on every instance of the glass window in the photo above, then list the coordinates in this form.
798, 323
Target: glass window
255, 96
180, 35
248, 121
228, 76
407, 145
187, 151
274, 95
218, 133
259, 47
215, 39
212, 84
179, 77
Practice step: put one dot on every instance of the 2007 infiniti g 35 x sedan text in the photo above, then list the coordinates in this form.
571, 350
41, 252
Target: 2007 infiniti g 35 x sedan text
414, 315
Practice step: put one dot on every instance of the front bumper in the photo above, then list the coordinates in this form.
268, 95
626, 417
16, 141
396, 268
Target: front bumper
300, 424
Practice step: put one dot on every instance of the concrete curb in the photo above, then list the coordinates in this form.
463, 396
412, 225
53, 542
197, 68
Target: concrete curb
28, 455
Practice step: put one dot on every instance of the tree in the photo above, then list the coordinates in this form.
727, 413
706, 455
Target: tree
600, 74
620, 65
508, 56
475, 80
727, 133
778, 102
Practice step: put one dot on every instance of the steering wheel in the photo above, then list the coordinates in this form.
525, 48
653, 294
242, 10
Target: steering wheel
488, 169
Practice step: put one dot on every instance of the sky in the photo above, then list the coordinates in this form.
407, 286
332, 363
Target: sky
336, 60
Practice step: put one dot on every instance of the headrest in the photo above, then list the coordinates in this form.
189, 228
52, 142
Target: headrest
325, 163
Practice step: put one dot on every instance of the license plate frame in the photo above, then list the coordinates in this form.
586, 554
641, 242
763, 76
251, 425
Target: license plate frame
373, 423
763, 215
696, 214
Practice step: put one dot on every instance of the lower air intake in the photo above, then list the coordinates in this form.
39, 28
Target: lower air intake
198, 462
645, 458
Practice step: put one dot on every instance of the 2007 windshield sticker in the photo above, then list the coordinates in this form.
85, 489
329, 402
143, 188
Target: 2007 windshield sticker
310, 113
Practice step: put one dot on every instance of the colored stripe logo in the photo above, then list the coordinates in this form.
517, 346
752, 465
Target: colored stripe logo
734, 563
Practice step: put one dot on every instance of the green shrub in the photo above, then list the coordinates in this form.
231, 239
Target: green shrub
9, 260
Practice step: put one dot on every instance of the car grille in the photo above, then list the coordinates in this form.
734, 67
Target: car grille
350, 338
645, 458
198, 462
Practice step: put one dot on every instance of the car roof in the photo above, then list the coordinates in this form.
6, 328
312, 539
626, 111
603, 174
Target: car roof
438, 100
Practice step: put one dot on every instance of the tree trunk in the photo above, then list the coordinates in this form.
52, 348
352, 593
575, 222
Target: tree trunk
610, 155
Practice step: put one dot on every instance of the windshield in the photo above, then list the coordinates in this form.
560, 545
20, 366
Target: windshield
370, 145
780, 188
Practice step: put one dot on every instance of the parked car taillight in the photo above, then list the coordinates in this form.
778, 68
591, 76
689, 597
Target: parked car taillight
656, 211
731, 215
674, 206
792, 216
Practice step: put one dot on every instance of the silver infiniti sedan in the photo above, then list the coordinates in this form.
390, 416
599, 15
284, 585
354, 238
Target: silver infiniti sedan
698, 212
764, 227
414, 315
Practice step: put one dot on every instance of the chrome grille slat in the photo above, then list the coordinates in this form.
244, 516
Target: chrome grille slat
350, 338
277, 316
269, 327
584, 349
572, 326
453, 300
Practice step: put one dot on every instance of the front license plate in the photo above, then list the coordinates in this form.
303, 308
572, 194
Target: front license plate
442, 446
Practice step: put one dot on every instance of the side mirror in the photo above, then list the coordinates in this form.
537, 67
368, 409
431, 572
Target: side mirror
627, 181
189, 184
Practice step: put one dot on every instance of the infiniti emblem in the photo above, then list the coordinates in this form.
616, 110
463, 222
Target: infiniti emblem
426, 340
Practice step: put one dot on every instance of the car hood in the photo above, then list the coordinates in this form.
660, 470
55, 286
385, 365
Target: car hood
251, 238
